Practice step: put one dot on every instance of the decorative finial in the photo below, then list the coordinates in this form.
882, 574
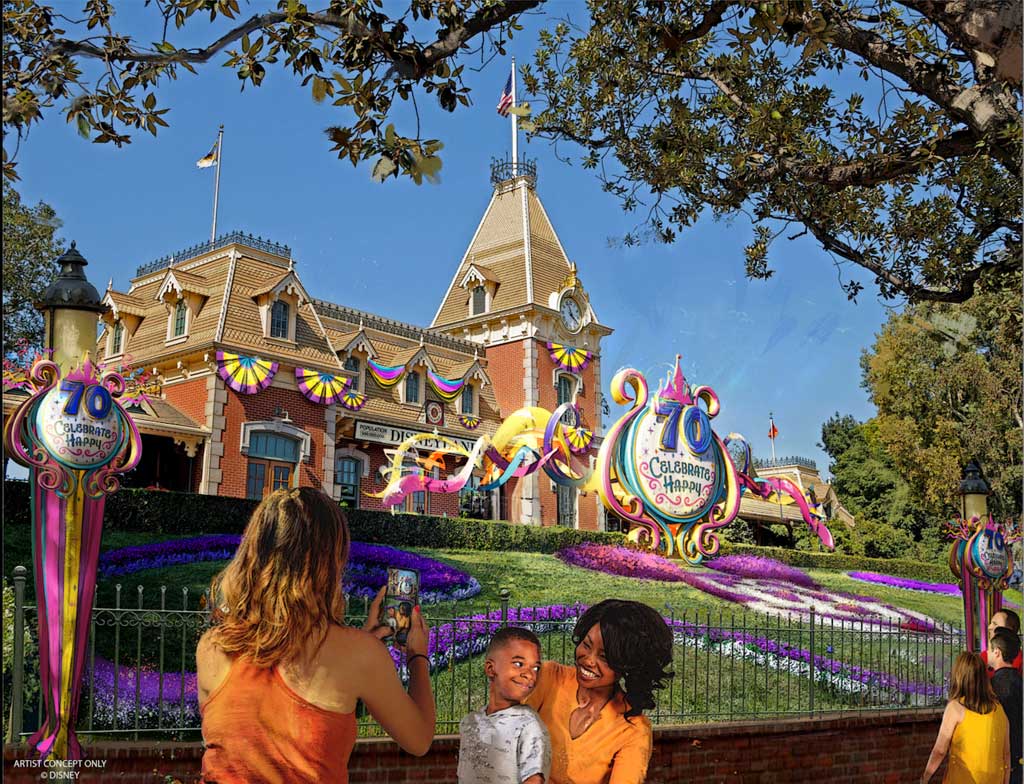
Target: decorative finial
291, 265
110, 284
421, 340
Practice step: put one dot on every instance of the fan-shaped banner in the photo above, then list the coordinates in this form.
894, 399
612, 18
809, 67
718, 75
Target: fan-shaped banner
352, 400
570, 358
320, 387
247, 375
385, 375
445, 389
579, 438
469, 422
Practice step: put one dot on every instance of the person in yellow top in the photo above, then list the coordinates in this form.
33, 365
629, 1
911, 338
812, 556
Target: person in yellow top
974, 732
594, 710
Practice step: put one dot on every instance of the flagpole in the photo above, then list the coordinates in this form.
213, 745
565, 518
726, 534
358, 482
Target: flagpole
771, 426
515, 124
216, 182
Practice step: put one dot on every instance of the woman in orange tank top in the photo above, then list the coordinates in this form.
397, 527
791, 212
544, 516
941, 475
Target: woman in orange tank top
280, 674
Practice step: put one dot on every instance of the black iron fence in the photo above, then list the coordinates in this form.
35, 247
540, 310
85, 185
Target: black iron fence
140, 671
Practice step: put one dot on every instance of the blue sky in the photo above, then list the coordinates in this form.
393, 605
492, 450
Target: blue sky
789, 345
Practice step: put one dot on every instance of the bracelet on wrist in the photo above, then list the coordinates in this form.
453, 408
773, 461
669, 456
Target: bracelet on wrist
415, 656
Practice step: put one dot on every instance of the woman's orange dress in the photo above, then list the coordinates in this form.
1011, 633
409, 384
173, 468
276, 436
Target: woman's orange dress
613, 750
258, 731
976, 750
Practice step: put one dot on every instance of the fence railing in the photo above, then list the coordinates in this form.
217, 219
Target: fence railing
140, 670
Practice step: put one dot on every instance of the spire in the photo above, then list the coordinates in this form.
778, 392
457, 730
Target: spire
676, 387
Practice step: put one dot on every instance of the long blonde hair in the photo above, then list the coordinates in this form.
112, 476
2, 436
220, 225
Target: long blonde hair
969, 684
283, 587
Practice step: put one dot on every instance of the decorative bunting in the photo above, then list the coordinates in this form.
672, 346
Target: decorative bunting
469, 422
352, 400
570, 358
445, 389
386, 376
320, 387
247, 375
579, 438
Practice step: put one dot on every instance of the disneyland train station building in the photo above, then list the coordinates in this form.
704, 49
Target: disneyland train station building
246, 382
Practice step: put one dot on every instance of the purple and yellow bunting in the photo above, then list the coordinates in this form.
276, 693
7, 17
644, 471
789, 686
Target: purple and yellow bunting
445, 389
247, 375
469, 422
352, 400
385, 375
323, 388
570, 358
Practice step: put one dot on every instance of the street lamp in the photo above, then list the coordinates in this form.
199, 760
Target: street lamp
974, 491
70, 307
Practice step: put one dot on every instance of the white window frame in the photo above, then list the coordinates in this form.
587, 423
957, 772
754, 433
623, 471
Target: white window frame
473, 398
279, 428
419, 389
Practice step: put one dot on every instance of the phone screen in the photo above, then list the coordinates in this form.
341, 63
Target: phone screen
401, 596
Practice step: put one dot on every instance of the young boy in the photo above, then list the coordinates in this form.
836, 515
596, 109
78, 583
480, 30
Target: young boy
1004, 648
506, 742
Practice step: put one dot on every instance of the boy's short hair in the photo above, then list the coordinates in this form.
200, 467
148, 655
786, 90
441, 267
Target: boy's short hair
1012, 620
1006, 642
508, 634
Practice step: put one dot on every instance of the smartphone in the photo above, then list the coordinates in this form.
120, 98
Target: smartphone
402, 594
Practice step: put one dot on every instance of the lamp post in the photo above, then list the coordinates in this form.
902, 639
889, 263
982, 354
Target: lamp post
974, 492
70, 307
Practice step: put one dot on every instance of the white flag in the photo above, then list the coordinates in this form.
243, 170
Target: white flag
209, 159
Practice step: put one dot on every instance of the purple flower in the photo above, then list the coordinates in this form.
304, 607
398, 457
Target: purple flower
365, 572
761, 568
904, 582
621, 561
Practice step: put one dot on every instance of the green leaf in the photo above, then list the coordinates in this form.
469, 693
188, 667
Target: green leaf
83, 126
384, 168
523, 110
319, 89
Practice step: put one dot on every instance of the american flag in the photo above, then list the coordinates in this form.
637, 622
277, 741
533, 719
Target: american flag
505, 102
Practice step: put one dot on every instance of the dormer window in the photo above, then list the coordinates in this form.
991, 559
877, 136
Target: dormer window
352, 364
279, 319
180, 316
466, 404
117, 338
412, 387
479, 300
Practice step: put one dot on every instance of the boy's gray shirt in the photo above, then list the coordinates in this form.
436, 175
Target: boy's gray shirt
506, 747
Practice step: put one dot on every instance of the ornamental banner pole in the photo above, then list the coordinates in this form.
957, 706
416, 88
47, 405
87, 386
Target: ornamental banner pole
515, 124
216, 182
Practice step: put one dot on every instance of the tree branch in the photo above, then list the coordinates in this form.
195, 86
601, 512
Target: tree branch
915, 291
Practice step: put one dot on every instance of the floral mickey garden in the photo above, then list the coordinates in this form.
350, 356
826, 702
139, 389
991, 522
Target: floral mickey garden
756, 629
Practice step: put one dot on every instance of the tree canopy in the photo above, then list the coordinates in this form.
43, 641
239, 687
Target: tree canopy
888, 130
31, 248
105, 82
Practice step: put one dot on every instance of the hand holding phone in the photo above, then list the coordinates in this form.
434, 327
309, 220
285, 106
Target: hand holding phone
401, 596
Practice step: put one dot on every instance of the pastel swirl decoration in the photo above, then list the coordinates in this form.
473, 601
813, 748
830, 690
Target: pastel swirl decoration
75, 437
663, 467
323, 388
531, 439
981, 560
570, 358
244, 374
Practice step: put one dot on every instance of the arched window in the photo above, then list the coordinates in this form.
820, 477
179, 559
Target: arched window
412, 387
567, 506
117, 340
479, 300
347, 471
566, 392
279, 313
180, 316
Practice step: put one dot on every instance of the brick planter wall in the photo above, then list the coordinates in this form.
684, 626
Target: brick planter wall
886, 748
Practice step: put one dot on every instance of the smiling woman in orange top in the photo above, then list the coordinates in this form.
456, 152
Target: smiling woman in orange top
594, 711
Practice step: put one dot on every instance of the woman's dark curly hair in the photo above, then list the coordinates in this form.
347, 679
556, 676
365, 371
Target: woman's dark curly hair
637, 646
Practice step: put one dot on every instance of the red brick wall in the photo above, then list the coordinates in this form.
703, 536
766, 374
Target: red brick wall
260, 407
505, 369
883, 748
189, 397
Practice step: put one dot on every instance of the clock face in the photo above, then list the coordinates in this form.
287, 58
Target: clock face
572, 317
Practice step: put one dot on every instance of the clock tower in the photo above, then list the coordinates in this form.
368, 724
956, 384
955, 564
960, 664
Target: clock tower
517, 294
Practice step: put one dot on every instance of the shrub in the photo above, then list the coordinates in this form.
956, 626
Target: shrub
914, 570
162, 512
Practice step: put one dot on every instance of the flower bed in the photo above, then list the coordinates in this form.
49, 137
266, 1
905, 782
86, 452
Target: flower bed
769, 596
466, 637
621, 561
365, 573
761, 568
902, 582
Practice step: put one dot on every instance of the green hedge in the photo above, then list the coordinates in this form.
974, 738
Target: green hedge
165, 513
913, 570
